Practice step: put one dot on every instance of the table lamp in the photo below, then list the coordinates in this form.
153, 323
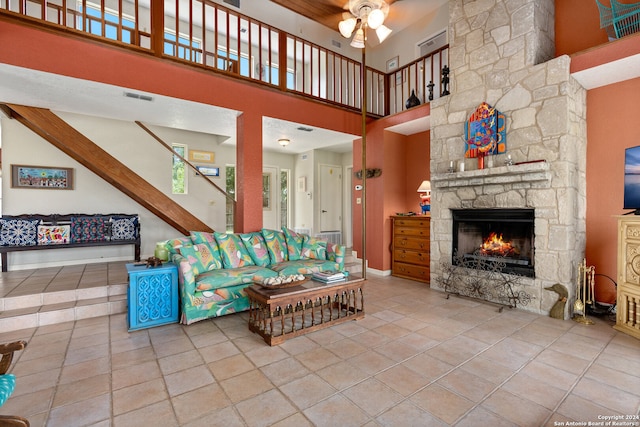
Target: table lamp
425, 196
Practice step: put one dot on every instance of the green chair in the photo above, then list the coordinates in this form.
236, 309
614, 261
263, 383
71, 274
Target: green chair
8, 383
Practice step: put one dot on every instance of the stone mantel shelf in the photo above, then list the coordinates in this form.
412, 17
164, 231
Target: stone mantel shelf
522, 173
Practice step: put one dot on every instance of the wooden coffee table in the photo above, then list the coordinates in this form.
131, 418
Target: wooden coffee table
280, 314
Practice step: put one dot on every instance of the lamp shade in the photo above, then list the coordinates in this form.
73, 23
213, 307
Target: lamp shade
425, 187
347, 26
358, 39
383, 32
375, 18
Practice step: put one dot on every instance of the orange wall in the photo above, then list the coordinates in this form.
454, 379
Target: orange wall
578, 25
612, 116
418, 167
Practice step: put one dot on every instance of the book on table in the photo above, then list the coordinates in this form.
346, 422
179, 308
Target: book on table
329, 276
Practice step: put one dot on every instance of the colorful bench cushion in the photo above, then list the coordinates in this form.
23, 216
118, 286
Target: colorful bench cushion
124, 227
89, 229
18, 232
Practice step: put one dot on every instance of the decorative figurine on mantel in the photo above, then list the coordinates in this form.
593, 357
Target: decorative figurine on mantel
485, 133
425, 196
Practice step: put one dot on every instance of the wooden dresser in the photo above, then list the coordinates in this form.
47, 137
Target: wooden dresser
628, 305
410, 247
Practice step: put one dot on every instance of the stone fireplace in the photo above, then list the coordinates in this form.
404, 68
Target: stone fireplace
501, 52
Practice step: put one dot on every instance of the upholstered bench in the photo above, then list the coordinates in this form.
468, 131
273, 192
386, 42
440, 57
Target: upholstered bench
38, 232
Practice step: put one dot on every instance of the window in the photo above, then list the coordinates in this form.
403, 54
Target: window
230, 178
179, 170
284, 198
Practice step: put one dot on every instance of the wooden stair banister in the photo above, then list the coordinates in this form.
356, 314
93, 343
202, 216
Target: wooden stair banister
80, 148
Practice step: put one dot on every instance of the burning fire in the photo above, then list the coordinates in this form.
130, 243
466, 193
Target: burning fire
495, 246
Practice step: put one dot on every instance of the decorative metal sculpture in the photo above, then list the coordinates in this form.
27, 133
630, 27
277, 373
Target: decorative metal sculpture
430, 86
445, 81
481, 277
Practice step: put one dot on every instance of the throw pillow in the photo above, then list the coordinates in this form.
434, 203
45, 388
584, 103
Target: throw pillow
53, 234
124, 228
173, 245
314, 248
257, 248
88, 229
194, 257
204, 237
232, 250
18, 232
294, 243
336, 253
276, 245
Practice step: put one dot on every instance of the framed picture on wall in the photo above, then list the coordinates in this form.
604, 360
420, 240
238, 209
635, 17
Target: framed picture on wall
208, 171
42, 177
202, 156
393, 63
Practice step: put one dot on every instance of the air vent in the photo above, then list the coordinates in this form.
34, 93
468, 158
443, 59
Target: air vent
235, 3
305, 129
138, 96
336, 43
432, 43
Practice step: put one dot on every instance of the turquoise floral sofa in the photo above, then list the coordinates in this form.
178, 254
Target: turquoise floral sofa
215, 268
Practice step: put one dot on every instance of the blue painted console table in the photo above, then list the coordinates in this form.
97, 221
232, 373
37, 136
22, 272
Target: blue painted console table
152, 295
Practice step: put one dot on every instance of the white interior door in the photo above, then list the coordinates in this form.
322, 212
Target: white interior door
330, 198
270, 198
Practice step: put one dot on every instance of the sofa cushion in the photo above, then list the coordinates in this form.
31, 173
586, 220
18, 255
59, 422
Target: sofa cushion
276, 245
232, 251
232, 276
304, 266
257, 248
294, 243
7, 385
336, 253
199, 257
204, 238
313, 248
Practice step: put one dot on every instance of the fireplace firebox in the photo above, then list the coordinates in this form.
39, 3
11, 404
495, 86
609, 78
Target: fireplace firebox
502, 235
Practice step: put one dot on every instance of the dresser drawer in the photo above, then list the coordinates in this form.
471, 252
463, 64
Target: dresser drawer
411, 271
411, 257
411, 243
411, 231
415, 222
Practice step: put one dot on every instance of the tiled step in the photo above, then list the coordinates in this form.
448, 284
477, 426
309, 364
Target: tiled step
29, 311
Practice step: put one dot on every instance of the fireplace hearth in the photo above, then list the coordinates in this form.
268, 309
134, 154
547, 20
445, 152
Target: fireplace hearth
504, 236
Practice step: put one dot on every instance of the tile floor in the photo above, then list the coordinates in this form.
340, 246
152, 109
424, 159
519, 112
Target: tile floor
417, 359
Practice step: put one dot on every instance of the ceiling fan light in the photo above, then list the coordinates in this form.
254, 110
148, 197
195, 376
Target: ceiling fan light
383, 32
284, 142
346, 27
375, 19
358, 39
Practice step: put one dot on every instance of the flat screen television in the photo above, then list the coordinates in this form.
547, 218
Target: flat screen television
632, 179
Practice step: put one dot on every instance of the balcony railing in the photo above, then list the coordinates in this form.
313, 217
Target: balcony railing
205, 34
